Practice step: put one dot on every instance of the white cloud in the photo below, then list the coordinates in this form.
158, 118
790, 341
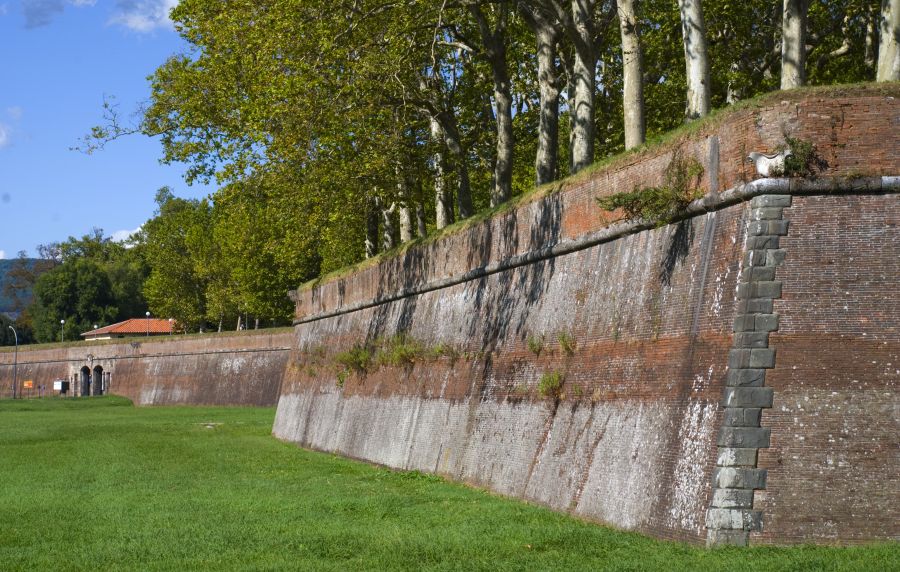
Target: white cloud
124, 235
4, 135
144, 15
2, 254
81, 3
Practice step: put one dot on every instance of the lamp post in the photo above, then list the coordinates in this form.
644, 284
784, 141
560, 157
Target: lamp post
171, 326
148, 323
15, 362
62, 330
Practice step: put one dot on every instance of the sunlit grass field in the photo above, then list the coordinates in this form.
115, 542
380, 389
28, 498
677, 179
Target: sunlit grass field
96, 484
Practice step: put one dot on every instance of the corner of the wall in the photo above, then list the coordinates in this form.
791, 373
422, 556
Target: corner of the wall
731, 516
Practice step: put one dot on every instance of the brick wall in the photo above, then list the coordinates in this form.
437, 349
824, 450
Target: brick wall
637, 430
220, 370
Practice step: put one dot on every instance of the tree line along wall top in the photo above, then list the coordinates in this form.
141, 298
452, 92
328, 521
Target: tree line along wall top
856, 130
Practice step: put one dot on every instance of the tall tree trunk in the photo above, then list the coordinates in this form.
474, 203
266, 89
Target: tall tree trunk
421, 227
793, 44
546, 39
405, 205
696, 58
494, 41
889, 45
371, 227
872, 20
584, 71
388, 226
633, 90
443, 205
453, 142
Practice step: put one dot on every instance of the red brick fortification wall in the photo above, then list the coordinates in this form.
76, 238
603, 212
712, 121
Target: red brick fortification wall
670, 398
632, 439
833, 466
217, 370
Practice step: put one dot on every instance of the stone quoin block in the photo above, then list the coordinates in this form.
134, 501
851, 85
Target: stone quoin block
736, 457
718, 537
748, 397
768, 289
763, 242
762, 273
739, 478
742, 417
762, 358
733, 519
732, 498
752, 437
766, 213
751, 340
766, 322
745, 323
755, 258
738, 358
763, 201
775, 257
754, 306
777, 227
746, 378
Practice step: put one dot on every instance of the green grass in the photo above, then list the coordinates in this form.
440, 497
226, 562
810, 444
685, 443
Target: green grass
99, 485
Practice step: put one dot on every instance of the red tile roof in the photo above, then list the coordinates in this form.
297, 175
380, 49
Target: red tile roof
135, 326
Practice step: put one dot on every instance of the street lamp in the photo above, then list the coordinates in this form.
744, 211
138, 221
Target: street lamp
62, 330
171, 325
15, 362
148, 323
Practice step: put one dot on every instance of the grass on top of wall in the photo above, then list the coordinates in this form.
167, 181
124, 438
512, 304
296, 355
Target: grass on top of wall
96, 484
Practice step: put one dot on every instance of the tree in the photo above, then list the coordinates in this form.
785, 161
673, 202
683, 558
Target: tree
633, 76
696, 58
889, 46
78, 292
174, 287
793, 44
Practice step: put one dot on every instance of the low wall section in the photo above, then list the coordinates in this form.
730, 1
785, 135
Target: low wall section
216, 370
730, 378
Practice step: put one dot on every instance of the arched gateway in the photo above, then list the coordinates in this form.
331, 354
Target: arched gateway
85, 381
98, 380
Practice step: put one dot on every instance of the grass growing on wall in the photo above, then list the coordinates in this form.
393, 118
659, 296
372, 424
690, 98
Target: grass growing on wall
95, 484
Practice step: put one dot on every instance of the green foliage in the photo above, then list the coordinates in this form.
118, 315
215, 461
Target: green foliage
804, 160
341, 378
399, 350
660, 204
357, 359
566, 343
448, 351
535, 344
550, 384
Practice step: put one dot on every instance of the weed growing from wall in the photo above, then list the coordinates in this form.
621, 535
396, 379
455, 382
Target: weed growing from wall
550, 384
660, 204
399, 350
804, 161
357, 359
535, 344
567, 343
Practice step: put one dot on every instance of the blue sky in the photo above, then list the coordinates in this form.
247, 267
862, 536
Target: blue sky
60, 59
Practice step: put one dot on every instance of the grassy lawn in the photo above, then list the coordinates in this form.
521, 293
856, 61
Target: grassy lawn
98, 484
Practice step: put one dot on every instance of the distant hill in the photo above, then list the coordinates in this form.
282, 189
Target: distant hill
7, 305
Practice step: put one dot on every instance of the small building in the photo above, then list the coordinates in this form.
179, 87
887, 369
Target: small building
131, 328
